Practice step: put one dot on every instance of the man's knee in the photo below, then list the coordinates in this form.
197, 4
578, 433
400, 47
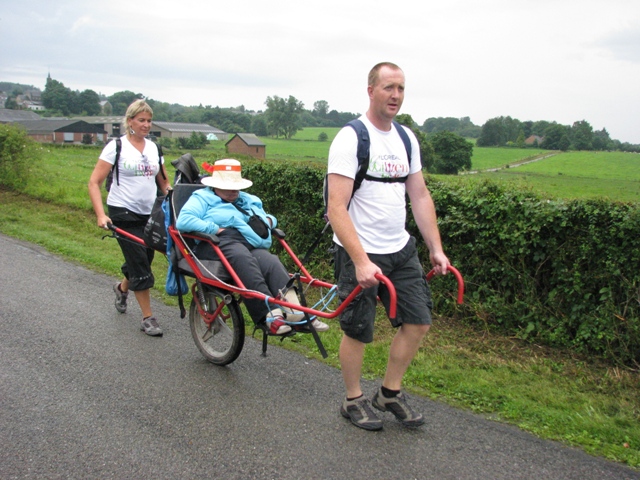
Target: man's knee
415, 330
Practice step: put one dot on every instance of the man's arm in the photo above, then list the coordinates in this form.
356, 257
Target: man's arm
340, 188
424, 212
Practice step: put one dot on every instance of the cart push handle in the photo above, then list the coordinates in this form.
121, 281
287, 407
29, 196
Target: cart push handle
392, 290
459, 279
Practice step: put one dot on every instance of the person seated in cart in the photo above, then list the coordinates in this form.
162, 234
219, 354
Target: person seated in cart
225, 210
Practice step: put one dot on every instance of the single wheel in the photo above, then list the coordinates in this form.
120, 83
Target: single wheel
220, 342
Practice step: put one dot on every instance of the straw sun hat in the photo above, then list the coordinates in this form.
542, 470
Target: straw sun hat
227, 175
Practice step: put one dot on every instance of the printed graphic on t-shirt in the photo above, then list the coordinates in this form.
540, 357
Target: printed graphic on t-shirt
388, 166
140, 168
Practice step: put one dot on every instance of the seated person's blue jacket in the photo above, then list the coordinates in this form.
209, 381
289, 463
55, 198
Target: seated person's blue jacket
207, 212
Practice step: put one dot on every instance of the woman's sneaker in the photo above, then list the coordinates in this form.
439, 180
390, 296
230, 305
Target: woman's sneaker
151, 327
121, 298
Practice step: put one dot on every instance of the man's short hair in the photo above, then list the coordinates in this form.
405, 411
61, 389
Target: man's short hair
374, 74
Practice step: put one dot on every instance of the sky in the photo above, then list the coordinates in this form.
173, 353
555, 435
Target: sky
554, 60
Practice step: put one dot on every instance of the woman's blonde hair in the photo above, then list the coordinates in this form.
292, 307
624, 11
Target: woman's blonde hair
134, 109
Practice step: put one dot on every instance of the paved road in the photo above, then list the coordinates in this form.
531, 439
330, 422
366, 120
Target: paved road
84, 394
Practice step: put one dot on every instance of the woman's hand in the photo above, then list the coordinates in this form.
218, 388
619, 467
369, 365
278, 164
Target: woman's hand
103, 221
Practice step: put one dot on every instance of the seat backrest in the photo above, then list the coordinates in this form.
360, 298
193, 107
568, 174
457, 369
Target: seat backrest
180, 195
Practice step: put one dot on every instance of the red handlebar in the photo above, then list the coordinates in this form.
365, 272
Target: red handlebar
392, 295
459, 279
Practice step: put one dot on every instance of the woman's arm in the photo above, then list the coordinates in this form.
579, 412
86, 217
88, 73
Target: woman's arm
100, 172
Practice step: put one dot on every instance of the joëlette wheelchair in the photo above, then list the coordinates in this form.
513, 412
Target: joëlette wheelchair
216, 320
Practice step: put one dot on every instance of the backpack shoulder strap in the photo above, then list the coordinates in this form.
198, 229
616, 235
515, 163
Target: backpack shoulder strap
362, 153
115, 164
405, 139
160, 155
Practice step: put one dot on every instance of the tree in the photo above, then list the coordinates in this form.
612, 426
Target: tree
259, 126
282, 116
556, 137
89, 103
427, 156
11, 103
407, 120
491, 134
120, 101
58, 97
538, 128
581, 135
452, 153
462, 126
602, 140
498, 131
320, 108
441, 124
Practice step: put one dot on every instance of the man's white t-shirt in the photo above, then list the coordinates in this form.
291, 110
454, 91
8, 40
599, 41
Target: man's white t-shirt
377, 210
137, 172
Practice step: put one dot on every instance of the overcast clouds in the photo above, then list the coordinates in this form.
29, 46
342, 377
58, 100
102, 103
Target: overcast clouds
562, 60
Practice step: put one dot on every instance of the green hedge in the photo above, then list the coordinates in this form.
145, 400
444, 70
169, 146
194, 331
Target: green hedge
17, 156
560, 273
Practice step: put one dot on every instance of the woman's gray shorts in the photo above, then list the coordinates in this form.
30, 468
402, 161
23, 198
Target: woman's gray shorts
403, 268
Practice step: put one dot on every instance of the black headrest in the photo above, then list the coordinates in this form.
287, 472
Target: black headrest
181, 193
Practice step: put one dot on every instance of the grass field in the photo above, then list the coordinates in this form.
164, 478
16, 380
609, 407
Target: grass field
312, 133
576, 175
596, 165
568, 175
486, 157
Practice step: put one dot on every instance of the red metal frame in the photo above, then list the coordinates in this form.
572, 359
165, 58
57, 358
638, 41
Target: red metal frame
239, 288
305, 277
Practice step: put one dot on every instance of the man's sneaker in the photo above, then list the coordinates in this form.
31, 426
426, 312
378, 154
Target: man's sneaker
399, 407
361, 414
150, 327
121, 299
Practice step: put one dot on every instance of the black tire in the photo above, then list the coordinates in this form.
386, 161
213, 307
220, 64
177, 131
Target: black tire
222, 343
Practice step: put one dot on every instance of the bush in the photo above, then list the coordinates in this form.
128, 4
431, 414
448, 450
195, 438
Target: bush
555, 272
196, 141
559, 272
165, 142
18, 153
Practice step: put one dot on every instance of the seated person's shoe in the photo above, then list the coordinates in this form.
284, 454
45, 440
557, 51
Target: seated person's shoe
304, 327
320, 326
277, 326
